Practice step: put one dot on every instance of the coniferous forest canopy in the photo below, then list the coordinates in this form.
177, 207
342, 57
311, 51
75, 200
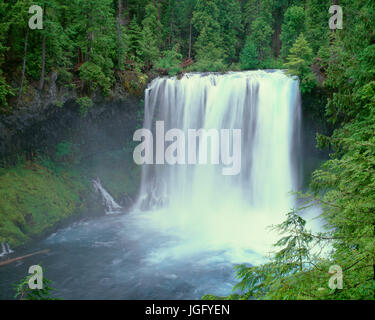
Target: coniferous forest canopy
102, 47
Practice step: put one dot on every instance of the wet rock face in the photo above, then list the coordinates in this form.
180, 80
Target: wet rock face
35, 106
54, 116
45, 117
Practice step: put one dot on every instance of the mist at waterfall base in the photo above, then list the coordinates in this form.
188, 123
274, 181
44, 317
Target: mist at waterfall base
191, 224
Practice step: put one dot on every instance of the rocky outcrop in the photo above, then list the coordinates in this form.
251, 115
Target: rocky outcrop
44, 116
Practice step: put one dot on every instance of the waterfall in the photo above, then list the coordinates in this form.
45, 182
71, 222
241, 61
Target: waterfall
5, 247
198, 202
109, 203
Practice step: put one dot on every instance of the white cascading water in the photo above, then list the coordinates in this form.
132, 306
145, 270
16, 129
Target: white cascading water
111, 206
208, 210
5, 249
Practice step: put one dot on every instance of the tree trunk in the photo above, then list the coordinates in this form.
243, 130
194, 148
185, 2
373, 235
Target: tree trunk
276, 40
23, 66
335, 2
373, 262
126, 9
41, 81
190, 40
120, 9
159, 10
159, 31
3, 263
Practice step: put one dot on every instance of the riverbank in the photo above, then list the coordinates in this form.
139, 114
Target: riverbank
39, 197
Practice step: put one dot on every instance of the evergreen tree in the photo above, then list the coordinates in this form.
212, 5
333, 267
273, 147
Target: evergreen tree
230, 27
261, 35
299, 63
317, 18
5, 88
120, 23
209, 50
133, 36
293, 26
94, 32
170, 62
254, 9
150, 41
258, 23
54, 48
249, 56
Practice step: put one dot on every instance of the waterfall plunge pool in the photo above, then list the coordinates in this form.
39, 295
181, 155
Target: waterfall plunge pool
123, 257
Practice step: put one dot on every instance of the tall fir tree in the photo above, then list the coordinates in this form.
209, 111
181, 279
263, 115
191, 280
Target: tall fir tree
317, 17
299, 63
150, 40
209, 50
293, 25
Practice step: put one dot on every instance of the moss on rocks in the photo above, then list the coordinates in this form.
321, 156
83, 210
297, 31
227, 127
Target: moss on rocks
34, 199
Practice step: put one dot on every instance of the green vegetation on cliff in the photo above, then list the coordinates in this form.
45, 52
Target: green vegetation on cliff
34, 199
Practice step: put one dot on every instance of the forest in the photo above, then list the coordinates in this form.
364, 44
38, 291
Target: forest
93, 44
92, 47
